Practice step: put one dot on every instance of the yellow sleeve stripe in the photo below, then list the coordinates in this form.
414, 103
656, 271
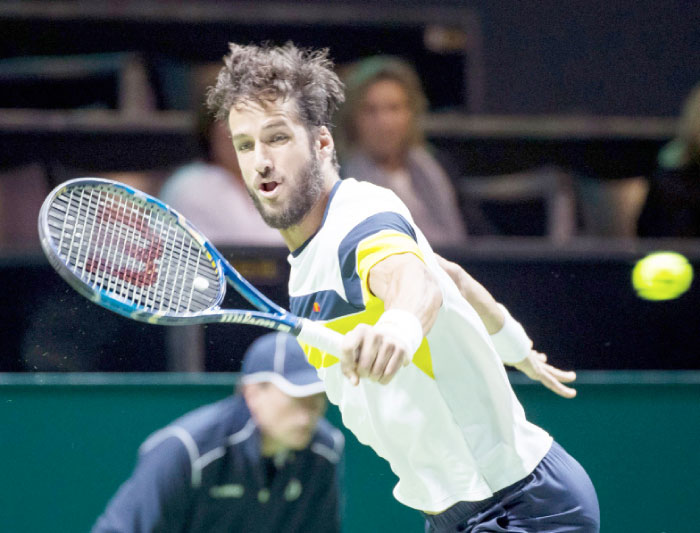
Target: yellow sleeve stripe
378, 247
422, 358
369, 252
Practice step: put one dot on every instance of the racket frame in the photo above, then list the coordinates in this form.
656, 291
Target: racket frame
266, 314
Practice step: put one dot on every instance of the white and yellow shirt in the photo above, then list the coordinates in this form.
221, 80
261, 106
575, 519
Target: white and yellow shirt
449, 424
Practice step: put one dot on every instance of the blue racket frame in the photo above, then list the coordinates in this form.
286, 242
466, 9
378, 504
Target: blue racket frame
267, 314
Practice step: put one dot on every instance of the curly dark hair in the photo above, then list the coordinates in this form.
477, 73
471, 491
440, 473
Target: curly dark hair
266, 73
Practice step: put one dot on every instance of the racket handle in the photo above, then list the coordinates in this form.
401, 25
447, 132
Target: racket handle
320, 337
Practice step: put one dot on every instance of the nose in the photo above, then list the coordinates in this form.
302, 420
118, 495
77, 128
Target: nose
263, 163
311, 408
306, 418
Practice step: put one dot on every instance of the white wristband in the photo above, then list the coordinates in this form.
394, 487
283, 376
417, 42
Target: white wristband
511, 342
404, 325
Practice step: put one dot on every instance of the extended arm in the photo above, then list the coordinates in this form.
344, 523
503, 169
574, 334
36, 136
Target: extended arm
510, 339
412, 299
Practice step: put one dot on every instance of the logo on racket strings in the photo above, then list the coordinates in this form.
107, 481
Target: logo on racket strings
117, 241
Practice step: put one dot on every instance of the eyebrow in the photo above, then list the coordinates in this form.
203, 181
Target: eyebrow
275, 124
271, 125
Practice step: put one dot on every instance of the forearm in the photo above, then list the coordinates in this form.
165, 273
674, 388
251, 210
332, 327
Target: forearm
404, 282
412, 300
478, 297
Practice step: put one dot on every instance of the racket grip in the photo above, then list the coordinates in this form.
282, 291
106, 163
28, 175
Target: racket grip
320, 337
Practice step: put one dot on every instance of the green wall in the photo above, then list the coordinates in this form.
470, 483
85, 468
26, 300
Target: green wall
67, 441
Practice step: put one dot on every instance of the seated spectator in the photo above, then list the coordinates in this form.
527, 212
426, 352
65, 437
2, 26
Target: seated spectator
380, 140
210, 192
672, 207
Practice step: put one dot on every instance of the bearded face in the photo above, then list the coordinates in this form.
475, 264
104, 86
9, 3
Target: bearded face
278, 161
305, 190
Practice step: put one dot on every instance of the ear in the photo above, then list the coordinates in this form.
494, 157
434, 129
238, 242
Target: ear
325, 143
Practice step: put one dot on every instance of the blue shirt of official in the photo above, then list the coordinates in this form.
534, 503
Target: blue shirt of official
204, 472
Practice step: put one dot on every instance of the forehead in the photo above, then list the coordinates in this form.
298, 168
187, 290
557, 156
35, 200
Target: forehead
385, 89
247, 116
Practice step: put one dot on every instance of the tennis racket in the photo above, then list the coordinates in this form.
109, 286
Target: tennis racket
136, 256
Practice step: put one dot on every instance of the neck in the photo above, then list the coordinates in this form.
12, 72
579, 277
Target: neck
270, 447
295, 236
390, 165
391, 162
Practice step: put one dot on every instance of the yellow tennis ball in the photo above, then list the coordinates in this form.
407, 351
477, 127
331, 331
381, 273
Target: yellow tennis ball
662, 276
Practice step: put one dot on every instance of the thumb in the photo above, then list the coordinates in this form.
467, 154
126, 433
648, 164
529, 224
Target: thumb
348, 357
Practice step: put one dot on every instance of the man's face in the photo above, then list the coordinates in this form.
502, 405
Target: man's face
383, 121
281, 171
285, 422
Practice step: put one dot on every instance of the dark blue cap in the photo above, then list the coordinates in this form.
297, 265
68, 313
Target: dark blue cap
277, 358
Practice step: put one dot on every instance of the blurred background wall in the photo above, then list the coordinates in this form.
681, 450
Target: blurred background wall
555, 114
635, 433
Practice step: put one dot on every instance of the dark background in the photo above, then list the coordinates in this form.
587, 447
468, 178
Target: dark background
530, 59
545, 57
579, 308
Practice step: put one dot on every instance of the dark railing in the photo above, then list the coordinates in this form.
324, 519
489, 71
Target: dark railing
576, 301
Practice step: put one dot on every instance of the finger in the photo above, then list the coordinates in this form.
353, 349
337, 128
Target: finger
542, 357
555, 386
566, 376
368, 352
380, 363
348, 357
349, 372
396, 361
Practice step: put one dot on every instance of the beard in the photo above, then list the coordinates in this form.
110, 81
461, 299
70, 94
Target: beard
306, 188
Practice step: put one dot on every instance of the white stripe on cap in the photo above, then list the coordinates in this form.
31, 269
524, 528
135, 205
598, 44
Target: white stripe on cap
280, 353
289, 388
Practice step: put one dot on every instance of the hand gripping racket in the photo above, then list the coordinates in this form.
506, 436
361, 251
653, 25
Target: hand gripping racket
134, 255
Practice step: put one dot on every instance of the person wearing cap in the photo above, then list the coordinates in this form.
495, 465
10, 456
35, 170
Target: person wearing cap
261, 460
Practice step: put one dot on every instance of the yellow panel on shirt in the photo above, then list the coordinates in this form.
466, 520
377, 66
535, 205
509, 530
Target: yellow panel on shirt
371, 251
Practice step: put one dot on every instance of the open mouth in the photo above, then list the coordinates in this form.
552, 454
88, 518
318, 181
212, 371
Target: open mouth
268, 186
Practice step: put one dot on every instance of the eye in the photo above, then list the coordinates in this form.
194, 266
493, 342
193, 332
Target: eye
244, 146
279, 138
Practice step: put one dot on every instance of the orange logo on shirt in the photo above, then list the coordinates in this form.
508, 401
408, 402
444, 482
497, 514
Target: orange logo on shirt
317, 307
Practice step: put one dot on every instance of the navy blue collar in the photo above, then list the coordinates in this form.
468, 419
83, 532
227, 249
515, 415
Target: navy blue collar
295, 253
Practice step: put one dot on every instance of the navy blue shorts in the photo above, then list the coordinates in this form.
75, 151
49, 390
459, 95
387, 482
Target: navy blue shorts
557, 497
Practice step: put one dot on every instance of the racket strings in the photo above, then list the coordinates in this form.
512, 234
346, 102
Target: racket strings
145, 250
132, 249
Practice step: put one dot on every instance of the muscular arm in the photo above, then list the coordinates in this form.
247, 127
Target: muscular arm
409, 290
404, 282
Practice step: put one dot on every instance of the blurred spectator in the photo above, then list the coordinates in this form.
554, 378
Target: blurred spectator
672, 207
380, 140
210, 192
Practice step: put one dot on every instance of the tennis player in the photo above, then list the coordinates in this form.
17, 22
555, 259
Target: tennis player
421, 378
260, 461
